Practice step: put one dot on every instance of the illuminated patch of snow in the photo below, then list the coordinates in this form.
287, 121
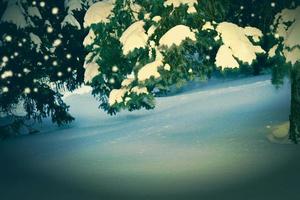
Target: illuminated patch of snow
116, 96
208, 26
156, 18
151, 30
167, 67
89, 39
238, 43
91, 70
176, 35
134, 37
99, 12
135, 8
253, 32
289, 32
191, 10
150, 70
225, 59
140, 90
127, 82
292, 56
272, 51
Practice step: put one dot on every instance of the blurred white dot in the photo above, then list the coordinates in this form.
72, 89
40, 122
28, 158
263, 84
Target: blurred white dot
273, 4
54, 11
27, 90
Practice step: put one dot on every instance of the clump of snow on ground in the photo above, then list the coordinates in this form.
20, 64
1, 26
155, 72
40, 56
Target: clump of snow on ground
176, 35
236, 45
287, 26
134, 37
280, 134
98, 12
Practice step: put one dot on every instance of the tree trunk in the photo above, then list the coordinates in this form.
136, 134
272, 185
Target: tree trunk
295, 104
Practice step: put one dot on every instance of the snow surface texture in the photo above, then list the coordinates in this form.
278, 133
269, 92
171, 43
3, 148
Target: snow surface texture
289, 33
201, 142
236, 44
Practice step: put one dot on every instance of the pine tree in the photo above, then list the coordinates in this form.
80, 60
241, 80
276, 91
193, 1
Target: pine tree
134, 55
285, 58
143, 49
42, 56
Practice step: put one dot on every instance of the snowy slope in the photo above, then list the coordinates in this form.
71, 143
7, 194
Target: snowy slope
209, 142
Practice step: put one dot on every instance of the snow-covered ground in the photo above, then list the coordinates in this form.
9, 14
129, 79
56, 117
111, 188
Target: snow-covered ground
209, 143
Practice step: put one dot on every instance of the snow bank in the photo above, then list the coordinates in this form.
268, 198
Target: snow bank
176, 35
98, 12
134, 37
